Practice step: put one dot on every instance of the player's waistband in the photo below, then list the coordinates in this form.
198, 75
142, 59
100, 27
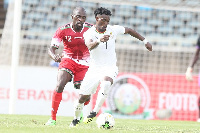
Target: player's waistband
79, 61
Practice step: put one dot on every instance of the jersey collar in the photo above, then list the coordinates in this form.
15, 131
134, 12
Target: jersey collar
99, 31
74, 30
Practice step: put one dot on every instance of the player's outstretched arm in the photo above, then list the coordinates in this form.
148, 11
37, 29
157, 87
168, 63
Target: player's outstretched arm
52, 54
138, 36
195, 58
188, 73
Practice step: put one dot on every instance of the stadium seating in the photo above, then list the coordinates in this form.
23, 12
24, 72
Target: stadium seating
42, 18
48, 15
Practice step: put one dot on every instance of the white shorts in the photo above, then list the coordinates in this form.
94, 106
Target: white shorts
93, 77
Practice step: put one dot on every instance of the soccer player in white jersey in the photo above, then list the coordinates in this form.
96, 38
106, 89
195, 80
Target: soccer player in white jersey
100, 40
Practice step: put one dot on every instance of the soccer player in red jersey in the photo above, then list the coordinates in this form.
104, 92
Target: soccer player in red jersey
74, 61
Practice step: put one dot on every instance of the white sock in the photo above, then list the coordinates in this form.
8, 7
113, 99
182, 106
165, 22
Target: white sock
100, 100
78, 110
102, 95
86, 110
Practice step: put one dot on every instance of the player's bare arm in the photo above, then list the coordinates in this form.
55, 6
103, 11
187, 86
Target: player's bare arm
93, 44
195, 58
189, 70
53, 55
138, 36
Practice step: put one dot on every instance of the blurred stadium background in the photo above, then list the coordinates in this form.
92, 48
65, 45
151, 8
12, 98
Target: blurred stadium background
153, 83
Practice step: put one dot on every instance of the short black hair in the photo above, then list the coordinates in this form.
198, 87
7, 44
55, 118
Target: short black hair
78, 8
102, 11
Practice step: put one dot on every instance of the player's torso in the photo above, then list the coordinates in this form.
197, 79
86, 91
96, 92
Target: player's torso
74, 45
104, 53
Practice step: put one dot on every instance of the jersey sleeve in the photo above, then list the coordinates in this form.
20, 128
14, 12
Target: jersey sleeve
198, 43
119, 29
57, 38
88, 36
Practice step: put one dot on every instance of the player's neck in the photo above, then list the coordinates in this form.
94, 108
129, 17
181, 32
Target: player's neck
98, 31
77, 29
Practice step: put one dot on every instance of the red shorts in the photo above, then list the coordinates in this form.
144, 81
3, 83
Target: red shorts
73, 68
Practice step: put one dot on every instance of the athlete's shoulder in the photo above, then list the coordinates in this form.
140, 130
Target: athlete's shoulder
91, 29
90, 32
88, 25
116, 26
111, 27
118, 29
66, 26
60, 30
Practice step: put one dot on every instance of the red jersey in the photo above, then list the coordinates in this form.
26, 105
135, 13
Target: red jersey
74, 45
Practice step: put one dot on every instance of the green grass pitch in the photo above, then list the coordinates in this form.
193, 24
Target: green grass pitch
35, 124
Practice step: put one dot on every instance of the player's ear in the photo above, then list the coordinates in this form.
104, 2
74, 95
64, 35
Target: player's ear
72, 16
97, 18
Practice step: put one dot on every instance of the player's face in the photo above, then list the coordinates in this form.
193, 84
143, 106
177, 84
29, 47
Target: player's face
101, 22
79, 18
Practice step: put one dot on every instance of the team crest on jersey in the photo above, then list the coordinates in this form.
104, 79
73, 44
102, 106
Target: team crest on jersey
111, 35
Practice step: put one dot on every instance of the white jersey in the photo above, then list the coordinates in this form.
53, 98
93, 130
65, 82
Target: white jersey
104, 54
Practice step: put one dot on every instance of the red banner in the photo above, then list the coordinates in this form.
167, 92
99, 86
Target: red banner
153, 96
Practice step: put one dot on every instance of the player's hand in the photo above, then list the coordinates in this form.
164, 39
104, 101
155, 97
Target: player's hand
57, 58
188, 74
105, 38
148, 46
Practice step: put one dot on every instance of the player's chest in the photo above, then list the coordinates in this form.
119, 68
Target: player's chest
110, 33
106, 46
73, 38
110, 44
